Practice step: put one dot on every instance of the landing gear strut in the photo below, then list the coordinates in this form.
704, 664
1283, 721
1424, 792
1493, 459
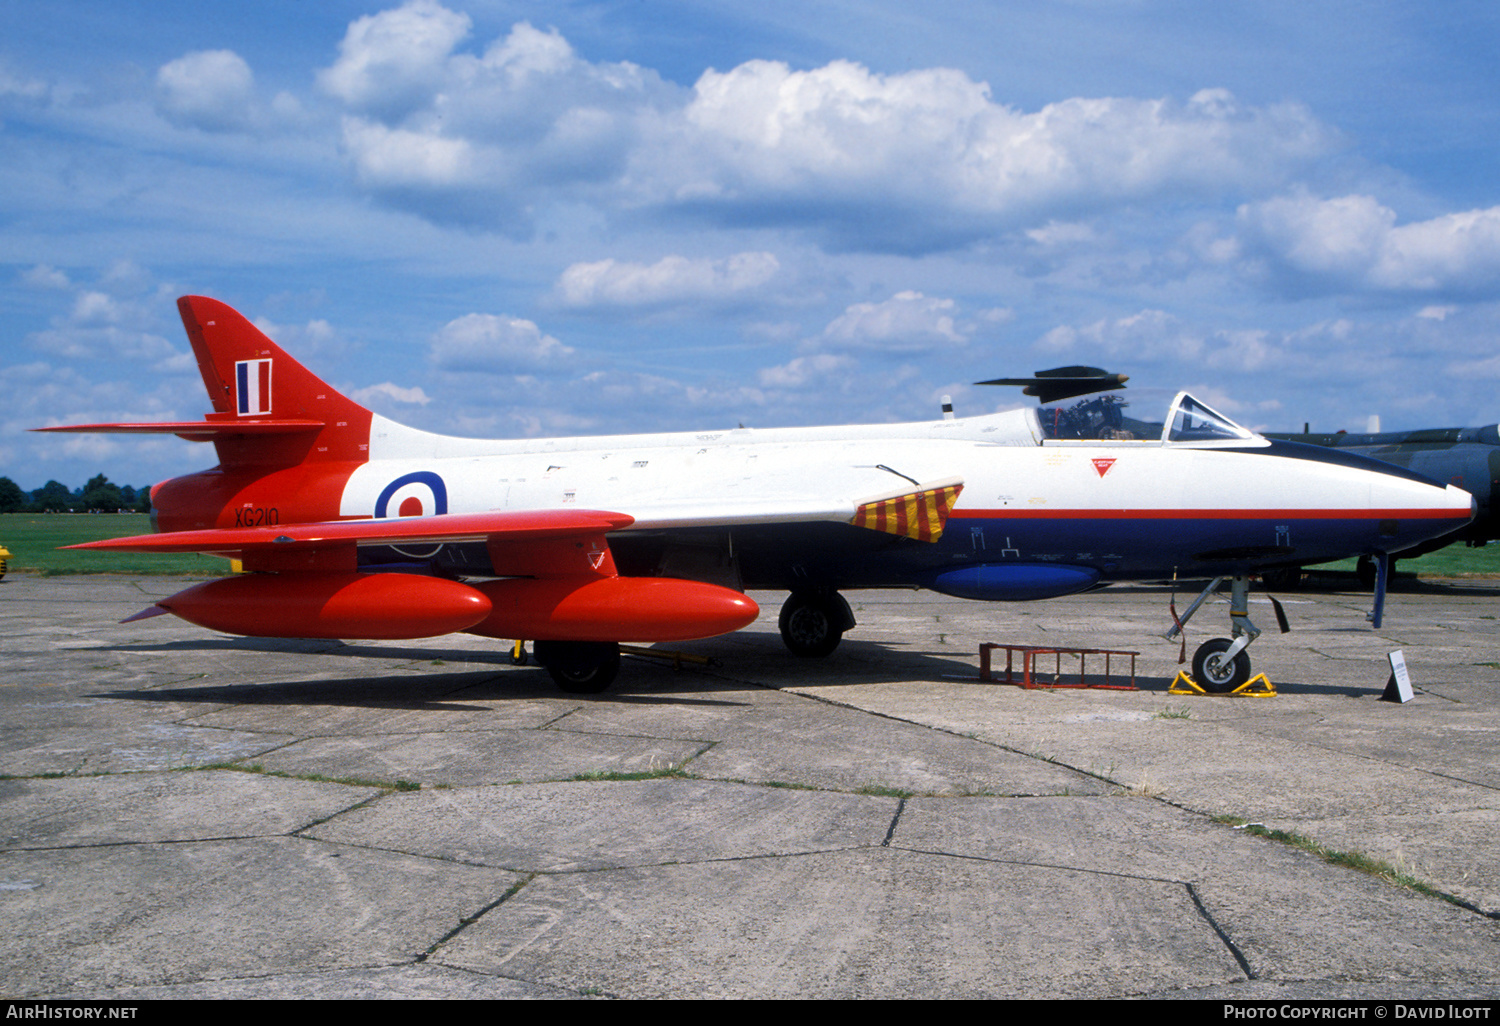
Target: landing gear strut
813, 622
1221, 665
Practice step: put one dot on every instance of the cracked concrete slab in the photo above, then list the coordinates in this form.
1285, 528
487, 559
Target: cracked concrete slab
867, 923
82, 920
126, 808
589, 825
459, 758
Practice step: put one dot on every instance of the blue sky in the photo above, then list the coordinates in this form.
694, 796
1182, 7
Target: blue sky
515, 219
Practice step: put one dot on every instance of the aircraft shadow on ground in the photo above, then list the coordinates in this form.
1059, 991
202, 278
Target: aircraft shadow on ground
442, 692
753, 659
410, 687
472, 691
745, 661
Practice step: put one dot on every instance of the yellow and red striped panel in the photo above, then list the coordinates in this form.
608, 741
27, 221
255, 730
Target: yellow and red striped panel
920, 515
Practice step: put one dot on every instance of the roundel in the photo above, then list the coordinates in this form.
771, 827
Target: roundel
419, 494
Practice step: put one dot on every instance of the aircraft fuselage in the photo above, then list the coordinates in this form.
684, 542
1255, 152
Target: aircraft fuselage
1074, 513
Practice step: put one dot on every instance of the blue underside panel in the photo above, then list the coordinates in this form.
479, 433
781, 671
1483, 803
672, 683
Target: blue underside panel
1012, 582
1130, 548
996, 557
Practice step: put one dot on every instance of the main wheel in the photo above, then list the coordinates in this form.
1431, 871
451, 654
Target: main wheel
1214, 673
810, 624
579, 667
1286, 578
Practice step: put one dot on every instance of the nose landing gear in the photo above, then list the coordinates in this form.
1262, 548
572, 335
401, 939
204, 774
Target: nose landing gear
1221, 665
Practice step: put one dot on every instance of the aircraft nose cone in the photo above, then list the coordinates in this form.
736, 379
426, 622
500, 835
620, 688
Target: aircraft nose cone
1371, 506
1446, 509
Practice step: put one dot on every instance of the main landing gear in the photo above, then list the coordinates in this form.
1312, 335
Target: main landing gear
813, 622
1221, 665
579, 667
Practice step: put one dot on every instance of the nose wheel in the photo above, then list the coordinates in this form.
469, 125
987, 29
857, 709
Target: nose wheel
1218, 672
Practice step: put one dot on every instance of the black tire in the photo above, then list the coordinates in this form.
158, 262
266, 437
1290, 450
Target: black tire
810, 625
1213, 674
579, 667
1288, 578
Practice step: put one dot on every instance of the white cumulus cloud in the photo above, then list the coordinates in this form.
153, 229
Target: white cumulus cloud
495, 345
1353, 243
393, 61
892, 156
391, 391
1148, 335
673, 279
474, 139
397, 157
212, 89
908, 162
45, 276
907, 322
804, 371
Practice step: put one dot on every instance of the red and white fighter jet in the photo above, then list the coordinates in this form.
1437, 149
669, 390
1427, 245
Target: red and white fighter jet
353, 526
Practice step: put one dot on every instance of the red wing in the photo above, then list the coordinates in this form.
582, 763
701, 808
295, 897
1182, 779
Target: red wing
529, 541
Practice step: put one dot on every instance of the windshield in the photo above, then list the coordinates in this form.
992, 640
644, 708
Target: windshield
1194, 422
1143, 417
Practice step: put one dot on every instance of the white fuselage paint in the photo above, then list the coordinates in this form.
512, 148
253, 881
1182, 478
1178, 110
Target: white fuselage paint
1121, 507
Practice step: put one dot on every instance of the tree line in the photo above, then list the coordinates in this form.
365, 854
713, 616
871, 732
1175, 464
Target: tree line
100, 495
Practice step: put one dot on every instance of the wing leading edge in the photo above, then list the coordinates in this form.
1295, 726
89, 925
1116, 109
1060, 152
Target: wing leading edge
251, 543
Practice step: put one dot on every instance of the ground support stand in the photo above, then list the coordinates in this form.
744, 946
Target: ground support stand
1028, 666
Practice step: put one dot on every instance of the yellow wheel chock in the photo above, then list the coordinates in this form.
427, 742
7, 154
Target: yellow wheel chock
1258, 686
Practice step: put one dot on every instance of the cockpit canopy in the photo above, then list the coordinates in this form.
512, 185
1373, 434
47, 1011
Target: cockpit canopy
1108, 418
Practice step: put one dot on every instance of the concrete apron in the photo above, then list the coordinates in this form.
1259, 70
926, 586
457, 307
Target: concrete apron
186, 814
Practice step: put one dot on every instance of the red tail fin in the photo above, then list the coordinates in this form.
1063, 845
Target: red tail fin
253, 384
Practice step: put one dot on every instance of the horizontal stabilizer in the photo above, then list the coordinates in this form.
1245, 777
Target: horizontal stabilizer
197, 430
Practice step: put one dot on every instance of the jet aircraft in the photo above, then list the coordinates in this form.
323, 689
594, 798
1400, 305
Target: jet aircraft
353, 526
1468, 457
